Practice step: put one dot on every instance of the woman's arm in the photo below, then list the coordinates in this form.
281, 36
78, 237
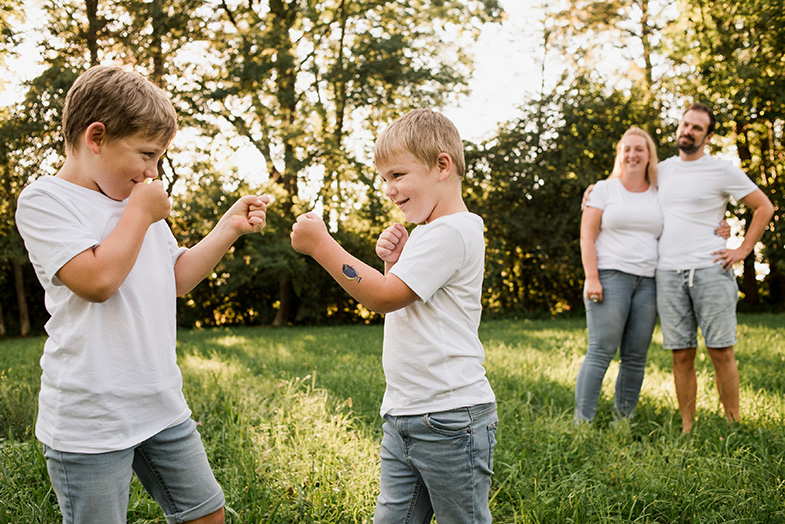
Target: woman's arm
590, 230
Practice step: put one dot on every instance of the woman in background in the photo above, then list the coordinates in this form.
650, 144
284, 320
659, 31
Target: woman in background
620, 226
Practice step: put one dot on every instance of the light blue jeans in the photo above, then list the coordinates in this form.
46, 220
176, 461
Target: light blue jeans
171, 465
437, 463
624, 320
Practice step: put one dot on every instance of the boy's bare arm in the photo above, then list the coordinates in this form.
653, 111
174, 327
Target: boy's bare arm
96, 274
247, 215
376, 291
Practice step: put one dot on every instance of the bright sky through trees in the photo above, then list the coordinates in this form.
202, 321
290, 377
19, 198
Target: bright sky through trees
507, 70
508, 59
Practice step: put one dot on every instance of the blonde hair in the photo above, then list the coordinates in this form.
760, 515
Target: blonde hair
124, 101
425, 134
651, 168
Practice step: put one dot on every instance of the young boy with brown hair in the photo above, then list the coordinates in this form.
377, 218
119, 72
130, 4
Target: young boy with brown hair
439, 408
111, 398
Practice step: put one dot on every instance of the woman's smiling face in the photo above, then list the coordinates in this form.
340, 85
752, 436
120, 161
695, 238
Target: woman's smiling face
634, 154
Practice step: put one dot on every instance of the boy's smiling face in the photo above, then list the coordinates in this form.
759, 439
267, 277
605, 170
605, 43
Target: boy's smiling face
124, 162
412, 187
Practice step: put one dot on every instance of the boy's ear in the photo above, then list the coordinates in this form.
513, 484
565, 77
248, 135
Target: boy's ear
444, 162
95, 136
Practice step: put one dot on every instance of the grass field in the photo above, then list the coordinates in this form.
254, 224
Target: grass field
291, 424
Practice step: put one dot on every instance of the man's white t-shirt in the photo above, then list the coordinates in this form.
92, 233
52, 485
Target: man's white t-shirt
693, 196
433, 357
631, 224
110, 378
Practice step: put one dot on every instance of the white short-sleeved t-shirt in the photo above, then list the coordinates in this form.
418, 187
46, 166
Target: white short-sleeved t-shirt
631, 224
693, 196
110, 378
433, 357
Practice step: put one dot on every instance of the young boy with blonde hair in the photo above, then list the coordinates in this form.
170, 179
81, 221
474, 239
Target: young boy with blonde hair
439, 408
111, 400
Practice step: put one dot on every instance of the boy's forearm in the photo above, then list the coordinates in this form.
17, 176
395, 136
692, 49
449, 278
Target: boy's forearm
196, 263
96, 274
376, 291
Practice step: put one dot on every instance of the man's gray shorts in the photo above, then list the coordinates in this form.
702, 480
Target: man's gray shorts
692, 298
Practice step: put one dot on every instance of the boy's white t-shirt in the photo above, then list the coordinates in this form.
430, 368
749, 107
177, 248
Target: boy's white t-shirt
693, 196
432, 356
110, 378
631, 224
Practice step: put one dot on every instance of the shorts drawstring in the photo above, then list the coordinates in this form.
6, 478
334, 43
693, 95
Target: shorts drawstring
691, 275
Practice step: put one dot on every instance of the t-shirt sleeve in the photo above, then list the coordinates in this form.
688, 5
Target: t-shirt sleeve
599, 195
175, 251
430, 259
53, 235
739, 184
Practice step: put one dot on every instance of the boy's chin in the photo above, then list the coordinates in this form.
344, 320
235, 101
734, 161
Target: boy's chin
118, 196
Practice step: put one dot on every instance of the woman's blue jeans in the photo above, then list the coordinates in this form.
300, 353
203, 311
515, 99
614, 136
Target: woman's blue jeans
624, 320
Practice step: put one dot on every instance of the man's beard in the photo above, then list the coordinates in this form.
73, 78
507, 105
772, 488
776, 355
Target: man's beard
691, 148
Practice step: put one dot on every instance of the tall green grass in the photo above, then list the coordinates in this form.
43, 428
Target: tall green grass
291, 424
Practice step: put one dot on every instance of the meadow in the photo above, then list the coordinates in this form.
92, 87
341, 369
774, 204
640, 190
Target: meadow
290, 421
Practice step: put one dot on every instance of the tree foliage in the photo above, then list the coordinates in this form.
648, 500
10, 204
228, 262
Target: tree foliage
306, 83
733, 59
528, 182
304, 87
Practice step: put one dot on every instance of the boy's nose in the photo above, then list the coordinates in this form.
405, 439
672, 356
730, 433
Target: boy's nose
388, 190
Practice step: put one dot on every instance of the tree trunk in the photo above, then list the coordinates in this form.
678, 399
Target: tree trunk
21, 298
749, 282
91, 7
285, 301
3, 332
776, 281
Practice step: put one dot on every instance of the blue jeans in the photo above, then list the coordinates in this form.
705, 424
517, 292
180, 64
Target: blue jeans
625, 320
437, 463
171, 465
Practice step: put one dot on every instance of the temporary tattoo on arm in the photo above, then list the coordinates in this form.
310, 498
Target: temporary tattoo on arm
351, 273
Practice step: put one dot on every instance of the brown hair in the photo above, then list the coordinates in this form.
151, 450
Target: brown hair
651, 169
425, 134
697, 106
124, 101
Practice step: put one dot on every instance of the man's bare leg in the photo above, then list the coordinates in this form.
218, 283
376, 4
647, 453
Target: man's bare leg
726, 376
686, 383
216, 517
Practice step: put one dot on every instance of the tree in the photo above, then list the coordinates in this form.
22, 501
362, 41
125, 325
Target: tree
592, 31
730, 59
297, 79
528, 181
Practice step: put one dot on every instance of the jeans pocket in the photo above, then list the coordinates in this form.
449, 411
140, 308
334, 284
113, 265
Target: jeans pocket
491, 443
449, 423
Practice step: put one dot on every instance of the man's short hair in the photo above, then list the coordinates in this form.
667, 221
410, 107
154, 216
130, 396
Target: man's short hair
124, 101
425, 134
697, 106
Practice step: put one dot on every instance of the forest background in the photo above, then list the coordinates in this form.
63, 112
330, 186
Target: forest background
286, 97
